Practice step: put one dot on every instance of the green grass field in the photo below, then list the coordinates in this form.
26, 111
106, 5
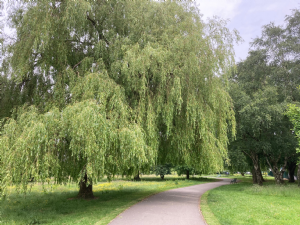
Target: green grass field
52, 205
245, 203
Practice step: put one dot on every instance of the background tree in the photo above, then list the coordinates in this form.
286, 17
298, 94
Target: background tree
162, 170
291, 166
294, 115
262, 88
263, 129
110, 87
292, 47
186, 170
244, 84
238, 161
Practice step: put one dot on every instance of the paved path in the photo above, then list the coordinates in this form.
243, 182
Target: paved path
174, 207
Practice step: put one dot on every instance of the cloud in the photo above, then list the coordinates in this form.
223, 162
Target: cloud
247, 16
266, 6
226, 9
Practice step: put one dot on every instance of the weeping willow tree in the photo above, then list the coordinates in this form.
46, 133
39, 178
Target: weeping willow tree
113, 87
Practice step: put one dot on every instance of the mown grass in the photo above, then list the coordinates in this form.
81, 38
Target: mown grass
245, 203
51, 206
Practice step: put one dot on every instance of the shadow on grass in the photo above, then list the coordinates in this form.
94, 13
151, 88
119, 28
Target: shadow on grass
112, 198
54, 208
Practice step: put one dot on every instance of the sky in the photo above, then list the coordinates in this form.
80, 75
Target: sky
248, 17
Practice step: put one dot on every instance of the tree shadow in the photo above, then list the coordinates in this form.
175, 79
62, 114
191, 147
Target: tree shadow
55, 208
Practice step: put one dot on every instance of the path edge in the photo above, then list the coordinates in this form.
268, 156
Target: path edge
215, 180
214, 218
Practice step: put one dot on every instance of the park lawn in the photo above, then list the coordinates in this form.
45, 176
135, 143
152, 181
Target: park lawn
245, 203
54, 206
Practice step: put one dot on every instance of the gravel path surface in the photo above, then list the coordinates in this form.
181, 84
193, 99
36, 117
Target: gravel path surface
174, 207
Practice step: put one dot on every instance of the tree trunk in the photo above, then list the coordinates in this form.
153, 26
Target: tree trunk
254, 178
278, 174
291, 168
187, 174
257, 171
162, 176
298, 175
243, 174
137, 177
84, 190
260, 174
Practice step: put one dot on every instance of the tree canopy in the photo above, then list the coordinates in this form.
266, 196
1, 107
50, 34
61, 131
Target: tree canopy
112, 87
265, 84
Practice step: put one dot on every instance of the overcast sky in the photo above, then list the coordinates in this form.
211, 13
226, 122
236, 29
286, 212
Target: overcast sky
248, 16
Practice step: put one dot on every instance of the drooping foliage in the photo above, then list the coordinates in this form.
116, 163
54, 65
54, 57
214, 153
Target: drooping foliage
115, 86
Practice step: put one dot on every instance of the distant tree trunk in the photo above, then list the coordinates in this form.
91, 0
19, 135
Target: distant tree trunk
254, 178
256, 172
291, 168
162, 176
137, 177
260, 174
187, 174
298, 175
84, 190
243, 174
278, 174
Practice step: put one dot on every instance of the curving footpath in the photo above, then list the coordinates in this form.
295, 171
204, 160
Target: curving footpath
174, 207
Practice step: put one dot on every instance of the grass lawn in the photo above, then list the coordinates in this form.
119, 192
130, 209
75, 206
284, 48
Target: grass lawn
245, 203
51, 206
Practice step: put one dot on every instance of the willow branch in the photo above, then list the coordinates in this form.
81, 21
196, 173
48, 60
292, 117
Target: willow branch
100, 32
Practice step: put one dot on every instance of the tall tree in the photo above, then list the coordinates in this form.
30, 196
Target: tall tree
263, 131
266, 82
113, 86
282, 45
244, 85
